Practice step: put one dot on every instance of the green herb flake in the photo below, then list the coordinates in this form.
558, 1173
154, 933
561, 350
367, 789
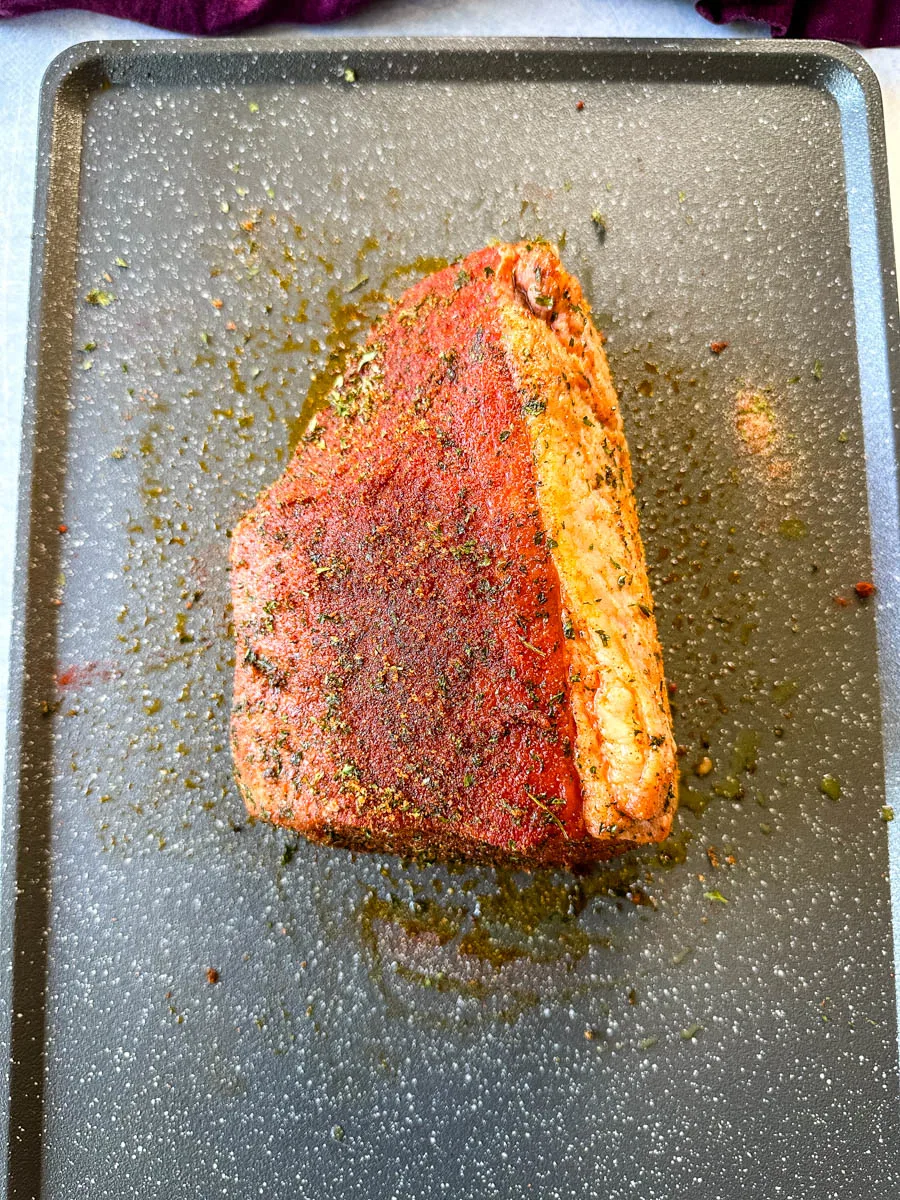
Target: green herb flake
793, 529
468, 780
533, 407
204, 338
225, 206
120, 262
270, 192
887, 813
100, 298
830, 786
253, 106
87, 364
118, 453
715, 895
568, 628
817, 369
599, 220
349, 75
504, 435
691, 1032
648, 1043
462, 279
843, 436
682, 956
681, 197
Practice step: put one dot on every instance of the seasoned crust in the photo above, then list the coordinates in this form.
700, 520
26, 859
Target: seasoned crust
403, 595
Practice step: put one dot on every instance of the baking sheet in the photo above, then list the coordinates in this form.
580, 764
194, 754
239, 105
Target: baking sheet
237, 213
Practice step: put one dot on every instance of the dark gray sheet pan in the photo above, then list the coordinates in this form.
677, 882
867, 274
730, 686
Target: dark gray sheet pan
392, 1030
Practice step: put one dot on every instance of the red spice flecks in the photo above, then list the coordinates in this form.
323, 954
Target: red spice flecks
580, 105
864, 589
718, 347
63, 528
212, 975
83, 674
841, 601
418, 612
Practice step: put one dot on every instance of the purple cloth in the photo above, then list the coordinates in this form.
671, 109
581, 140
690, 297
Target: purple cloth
866, 22
197, 16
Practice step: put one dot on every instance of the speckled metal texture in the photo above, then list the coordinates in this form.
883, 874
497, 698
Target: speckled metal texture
199, 1007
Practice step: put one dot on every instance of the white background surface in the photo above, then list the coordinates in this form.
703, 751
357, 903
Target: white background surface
29, 44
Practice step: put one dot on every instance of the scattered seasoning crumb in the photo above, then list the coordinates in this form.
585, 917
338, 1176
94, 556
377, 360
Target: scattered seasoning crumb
887, 813
841, 600
117, 453
579, 105
349, 75
718, 347
231, 327
217, 303
682, 955
715, 895
755, 422
704, 766
864, 589
589, 1035
830, 786
212, 975
713, 855
764, 828
691, 1032
99, 297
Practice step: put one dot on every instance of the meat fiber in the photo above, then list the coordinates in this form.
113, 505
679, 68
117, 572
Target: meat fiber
445, 634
